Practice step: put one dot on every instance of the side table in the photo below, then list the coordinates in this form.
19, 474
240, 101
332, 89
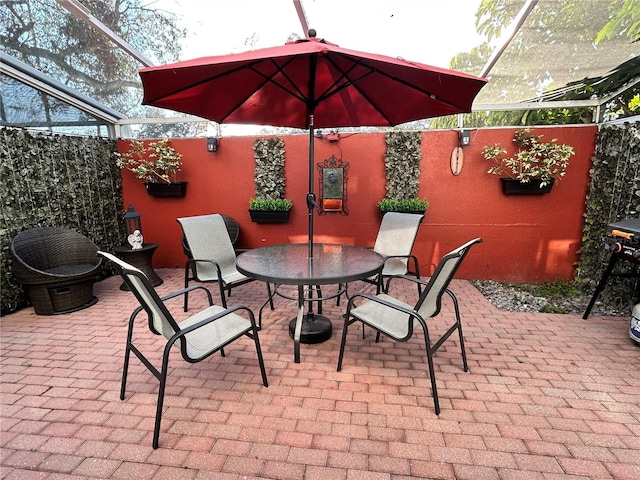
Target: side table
141, 259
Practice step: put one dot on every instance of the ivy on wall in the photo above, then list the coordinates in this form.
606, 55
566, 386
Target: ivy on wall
269, 155
51, 180
614, 195
402, 164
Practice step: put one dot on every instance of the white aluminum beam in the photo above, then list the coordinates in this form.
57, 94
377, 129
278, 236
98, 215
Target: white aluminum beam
35, 79
535, 105
83, 13
508, 35
302, 16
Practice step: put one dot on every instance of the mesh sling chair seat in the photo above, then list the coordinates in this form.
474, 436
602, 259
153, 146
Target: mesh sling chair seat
233, 229
57, 268
213, 258
197, 337
395, 240
397, 319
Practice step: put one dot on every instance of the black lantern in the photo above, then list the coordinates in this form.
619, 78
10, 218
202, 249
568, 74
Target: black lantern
132, 221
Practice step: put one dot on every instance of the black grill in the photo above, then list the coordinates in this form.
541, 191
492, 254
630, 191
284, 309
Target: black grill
623, 241
623, 238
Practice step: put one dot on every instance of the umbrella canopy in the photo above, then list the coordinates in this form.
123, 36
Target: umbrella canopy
309, 83
285, 85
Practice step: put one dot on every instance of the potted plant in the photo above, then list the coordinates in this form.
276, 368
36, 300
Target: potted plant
269, 204
534, 167
402, 166
412, 205
157, 163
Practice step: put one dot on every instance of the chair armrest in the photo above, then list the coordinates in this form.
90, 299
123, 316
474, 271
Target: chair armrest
213, 318
411, 279
177, 293
398, 256
193, 261
184, 291
377, 299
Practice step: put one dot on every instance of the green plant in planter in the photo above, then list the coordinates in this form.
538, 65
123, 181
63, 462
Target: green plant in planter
269, 176
402, 166
533, 160
409, 205
270, 204
157, 162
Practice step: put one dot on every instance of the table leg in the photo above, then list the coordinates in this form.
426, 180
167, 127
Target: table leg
298, 329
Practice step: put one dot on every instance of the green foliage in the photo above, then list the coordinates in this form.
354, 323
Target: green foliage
553, 290
270, 204
614, 195
402, 167
625, 20
533, 160
50, 180
269, 155
408, 205
552, 24
155, 162
553, 309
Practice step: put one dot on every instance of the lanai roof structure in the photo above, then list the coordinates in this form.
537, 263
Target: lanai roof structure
71, 66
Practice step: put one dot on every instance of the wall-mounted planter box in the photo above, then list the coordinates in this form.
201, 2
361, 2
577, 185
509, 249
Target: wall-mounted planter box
269, 216
414, 212
175, 189
511, 186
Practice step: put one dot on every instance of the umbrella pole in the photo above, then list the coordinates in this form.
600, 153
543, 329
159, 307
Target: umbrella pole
311, 196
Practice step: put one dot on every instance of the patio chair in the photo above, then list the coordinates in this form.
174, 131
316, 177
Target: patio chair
397, 319
197, 337
213, 258
233, 229
395, 240
57, 268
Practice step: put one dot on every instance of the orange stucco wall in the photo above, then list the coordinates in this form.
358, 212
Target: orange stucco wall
526, 238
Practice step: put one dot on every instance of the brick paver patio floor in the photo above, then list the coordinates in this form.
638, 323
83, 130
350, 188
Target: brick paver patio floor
547, 397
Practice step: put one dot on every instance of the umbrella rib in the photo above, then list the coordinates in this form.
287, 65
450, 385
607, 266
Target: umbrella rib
354, 82
252, 66
194, 84
297, 93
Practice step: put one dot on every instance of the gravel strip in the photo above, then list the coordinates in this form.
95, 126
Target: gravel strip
513, 299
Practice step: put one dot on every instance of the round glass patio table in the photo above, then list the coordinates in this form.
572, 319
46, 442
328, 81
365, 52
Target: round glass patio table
289, 264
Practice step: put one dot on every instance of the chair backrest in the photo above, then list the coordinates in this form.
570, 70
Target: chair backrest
160, 320
396, 236
208, 239
44, 248
429, 302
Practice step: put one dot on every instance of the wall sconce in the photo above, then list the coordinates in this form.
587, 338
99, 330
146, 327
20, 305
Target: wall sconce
132, 221
464, 138
212, 144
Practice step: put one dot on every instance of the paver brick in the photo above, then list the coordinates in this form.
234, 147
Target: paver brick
547, 397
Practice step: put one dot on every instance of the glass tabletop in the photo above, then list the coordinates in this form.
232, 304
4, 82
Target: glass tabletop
290, 264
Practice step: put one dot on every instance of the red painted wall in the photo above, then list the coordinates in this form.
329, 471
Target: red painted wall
526, 238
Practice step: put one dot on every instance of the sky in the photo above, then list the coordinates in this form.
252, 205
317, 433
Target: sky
425, 31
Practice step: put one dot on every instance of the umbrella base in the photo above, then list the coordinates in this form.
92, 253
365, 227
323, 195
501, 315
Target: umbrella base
315, 329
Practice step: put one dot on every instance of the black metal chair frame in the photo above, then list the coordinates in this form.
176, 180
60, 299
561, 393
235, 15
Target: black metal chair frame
430, 302
191, 270
379, 280
149, 299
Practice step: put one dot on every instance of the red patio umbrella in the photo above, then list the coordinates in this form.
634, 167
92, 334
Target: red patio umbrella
309, 83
